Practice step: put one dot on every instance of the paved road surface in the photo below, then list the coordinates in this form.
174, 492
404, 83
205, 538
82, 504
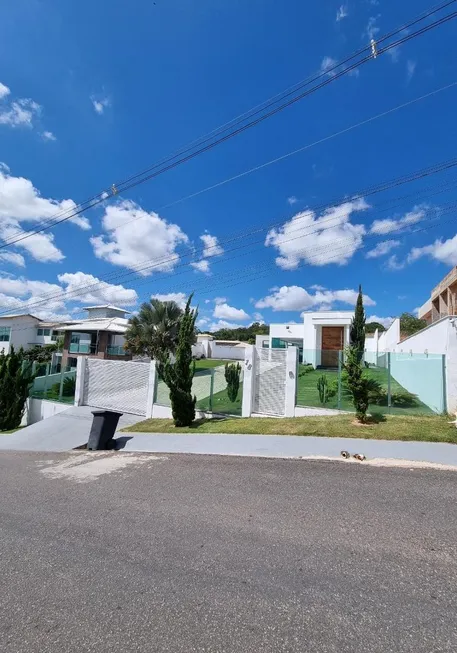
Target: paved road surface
130, 552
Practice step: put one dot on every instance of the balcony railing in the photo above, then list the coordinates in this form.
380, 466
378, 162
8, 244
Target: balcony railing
116, 351
80, 348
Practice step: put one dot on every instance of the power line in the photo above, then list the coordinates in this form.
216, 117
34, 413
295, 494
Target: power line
331, 77
252, 272
62, 296
366, 193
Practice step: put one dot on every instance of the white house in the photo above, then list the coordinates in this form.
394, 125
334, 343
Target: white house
319, 338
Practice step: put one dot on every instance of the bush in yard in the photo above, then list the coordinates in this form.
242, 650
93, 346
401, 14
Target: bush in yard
178, 375
322, 388
232, 376
305, 369
15, 383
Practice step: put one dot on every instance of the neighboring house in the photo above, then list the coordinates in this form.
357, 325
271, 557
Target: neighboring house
101, 335
207, 347
26, 331
319, 338
443, 300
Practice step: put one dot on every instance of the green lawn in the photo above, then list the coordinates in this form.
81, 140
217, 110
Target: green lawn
208, 363
421, 428
307, 394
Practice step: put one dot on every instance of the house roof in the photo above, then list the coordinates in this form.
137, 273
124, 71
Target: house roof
111, 324
110, 306
7, 317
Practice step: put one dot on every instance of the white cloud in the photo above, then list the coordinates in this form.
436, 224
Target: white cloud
179, 297
20, 113
319, 240
410, 69
40, 246
382, 249
316, 286
342, 13
372, 29
296, 298
152, 240
50, 300
13, 258
226, 312
201, 266
48, 136
258, 317
292, 200
101, 104
220, 300
394, 264
81, 286
385, 321
211, 246
21, 202
223, 324
390, 225
327, 64
4, 91
444, 251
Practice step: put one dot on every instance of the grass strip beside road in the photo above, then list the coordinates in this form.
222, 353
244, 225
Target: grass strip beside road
406, 428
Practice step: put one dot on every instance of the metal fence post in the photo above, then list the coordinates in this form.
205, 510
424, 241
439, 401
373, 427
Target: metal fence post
389, 394
61, 385
443, 367
340, 365
211, 389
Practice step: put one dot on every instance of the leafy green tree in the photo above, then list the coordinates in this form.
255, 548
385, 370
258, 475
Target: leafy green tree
409, 324
232, 376
15, 382
154, 331
244, 334
357, 331
41, 354
179, 374
372, 326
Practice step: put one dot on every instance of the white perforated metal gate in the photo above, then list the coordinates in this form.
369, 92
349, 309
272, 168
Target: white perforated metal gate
270, 382
116, 385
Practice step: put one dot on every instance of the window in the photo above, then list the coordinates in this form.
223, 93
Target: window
54, 336
5, 334
43, 332
39, 332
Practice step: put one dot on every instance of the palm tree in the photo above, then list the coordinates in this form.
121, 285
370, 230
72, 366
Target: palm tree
154, 331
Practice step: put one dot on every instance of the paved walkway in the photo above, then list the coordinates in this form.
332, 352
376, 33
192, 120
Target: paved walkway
289, 446
62, 432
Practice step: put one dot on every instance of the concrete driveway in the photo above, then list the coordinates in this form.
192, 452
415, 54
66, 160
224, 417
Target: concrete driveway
133, 552
61, 432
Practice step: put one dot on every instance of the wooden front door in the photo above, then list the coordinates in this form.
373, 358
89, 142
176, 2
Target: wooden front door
332, 343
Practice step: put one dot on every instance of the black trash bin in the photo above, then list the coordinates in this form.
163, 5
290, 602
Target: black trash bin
103, 429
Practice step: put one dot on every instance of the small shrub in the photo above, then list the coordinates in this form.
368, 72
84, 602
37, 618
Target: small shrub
69, 386
322, 388
332, 388
305, 369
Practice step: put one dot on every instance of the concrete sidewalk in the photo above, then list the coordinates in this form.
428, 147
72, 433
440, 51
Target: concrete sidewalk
291, 446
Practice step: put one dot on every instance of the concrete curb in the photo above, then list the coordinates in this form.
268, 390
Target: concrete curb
377, 452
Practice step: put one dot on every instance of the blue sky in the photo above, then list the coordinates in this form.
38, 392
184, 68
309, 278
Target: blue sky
92, 94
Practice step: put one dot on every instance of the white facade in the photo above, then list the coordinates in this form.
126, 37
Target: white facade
18, 331
307, 336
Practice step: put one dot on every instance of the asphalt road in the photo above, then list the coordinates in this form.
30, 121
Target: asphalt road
224, 555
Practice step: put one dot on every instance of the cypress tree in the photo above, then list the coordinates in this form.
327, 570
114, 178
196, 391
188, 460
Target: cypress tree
357, 331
